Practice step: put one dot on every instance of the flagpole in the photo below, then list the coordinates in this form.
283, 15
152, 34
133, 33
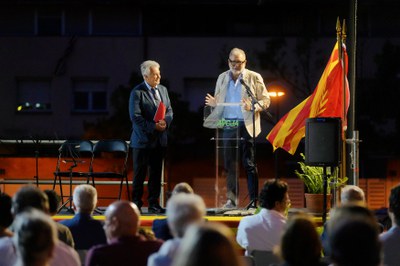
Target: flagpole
342, 61
353, 169
339, 38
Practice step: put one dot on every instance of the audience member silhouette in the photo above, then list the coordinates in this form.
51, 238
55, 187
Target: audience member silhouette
6, 217
353, 237
300, 243
35, 238
160, 226
391, 238
86, 230
349, 195
263, 230
182, 210
210, 244
125, 246
27, 197
64, 233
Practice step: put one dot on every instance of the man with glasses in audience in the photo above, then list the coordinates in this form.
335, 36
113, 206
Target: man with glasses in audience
238, 93
262, 231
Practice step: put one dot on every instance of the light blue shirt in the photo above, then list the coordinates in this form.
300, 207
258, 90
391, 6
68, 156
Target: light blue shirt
233, 95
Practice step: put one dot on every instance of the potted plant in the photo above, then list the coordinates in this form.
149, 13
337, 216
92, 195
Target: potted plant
313, 178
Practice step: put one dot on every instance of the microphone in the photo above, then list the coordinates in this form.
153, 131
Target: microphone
251, 95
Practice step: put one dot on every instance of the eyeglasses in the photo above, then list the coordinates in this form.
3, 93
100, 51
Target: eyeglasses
236, 62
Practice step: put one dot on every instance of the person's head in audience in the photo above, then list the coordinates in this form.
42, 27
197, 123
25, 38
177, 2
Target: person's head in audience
210, 244
394, 205
6, 217
54, 201
122, 219
300, 242
354, 242
346, 213
35, 237
274, 195
30, 196
182, 210
352, 194
182, 187
353, 211
85, 198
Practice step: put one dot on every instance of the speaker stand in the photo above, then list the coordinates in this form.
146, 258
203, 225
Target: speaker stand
325, 191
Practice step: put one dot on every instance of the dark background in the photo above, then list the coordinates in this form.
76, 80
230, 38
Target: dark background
376, 110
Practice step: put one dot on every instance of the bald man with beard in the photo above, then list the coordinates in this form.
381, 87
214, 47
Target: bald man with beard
124, 244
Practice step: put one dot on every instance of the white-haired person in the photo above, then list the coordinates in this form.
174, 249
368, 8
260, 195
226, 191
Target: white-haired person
352, 194
182, 210
160, 226
86, 230
35, 238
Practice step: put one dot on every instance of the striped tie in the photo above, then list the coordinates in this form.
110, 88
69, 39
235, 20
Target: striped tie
155, 96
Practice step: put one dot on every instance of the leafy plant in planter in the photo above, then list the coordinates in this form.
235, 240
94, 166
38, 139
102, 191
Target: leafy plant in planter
313, 178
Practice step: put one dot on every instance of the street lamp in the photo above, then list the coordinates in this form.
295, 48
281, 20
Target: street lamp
276, 93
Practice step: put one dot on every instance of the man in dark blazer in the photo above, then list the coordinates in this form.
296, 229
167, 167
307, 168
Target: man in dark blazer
86, 230
149, 135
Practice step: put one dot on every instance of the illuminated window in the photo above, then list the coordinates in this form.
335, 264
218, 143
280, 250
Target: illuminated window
33, 95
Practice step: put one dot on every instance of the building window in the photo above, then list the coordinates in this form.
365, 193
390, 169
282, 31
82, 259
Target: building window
49, 22
89, 95
33, 95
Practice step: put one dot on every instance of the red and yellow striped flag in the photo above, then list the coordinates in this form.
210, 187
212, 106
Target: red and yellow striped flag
326, 101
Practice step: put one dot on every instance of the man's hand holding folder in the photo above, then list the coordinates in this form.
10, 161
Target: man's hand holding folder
159, 117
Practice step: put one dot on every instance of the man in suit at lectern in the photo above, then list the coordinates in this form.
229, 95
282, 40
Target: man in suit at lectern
238, 93
149, 134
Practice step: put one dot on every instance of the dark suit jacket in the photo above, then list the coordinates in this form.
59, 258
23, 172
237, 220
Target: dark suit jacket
65, 235
161, 229
87, 232
123, 251
142, 110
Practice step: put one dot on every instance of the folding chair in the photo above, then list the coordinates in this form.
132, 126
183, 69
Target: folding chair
73, 154
118, 151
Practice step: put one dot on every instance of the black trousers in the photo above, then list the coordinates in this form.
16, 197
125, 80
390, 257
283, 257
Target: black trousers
147, 161
237, 141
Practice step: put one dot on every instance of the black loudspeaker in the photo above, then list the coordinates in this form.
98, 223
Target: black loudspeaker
323, 141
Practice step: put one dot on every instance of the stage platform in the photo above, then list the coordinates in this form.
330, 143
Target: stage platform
231, 218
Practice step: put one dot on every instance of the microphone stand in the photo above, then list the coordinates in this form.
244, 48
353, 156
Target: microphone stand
74, 163
36, 141
254, 101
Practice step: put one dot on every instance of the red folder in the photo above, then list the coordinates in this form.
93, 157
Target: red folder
160, 114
